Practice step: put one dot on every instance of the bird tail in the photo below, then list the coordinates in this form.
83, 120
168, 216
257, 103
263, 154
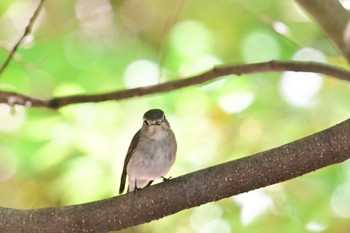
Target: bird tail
122, 182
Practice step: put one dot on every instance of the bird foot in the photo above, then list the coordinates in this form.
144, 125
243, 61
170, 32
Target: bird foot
166, 179
137, 191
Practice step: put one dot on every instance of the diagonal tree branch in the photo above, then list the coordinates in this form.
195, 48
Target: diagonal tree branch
26, 32
211, 184
271, 66
333, 19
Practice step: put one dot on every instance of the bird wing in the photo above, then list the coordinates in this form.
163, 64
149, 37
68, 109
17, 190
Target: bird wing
131, 150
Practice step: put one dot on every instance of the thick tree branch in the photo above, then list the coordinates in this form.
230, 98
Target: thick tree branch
26, 32
211, 184
333, 19
272, 66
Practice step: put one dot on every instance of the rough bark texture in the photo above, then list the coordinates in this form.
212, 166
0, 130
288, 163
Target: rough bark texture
273, 166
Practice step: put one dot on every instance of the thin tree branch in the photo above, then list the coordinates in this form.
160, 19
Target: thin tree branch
211, 184
271, 66
13, 98
333, 19
26, 32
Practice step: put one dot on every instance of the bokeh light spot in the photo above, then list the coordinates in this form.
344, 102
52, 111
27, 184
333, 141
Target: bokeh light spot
299, 88
309, 54
260, 46
217, 225
280, 28
11, 118
340, 200
314, 226
199, 65
346, 4
204, 214
254, 204
190, 39
236, 101
141, 73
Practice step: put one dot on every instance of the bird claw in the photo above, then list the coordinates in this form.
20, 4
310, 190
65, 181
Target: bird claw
137, 191
166, 179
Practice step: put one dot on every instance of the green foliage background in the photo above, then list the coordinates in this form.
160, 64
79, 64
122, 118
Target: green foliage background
75, 155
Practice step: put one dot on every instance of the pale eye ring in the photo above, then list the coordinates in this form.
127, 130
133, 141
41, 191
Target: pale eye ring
145, 122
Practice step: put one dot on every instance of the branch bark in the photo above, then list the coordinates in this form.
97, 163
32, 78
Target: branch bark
211, 184
333, 19
271, 66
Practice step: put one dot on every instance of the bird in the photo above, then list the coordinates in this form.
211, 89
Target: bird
151, 153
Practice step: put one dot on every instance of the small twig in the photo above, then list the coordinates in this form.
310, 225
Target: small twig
271, 66
26, 33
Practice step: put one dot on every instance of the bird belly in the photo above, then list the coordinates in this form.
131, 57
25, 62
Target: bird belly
151, 160
150, 165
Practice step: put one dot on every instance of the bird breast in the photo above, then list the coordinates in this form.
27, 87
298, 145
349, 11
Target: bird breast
153, 156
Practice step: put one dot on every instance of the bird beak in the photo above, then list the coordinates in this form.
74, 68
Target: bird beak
158, 122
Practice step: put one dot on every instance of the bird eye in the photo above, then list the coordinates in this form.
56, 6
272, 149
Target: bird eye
145, 122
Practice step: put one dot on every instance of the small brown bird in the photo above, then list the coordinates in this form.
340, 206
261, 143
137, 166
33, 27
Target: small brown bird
151, 153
